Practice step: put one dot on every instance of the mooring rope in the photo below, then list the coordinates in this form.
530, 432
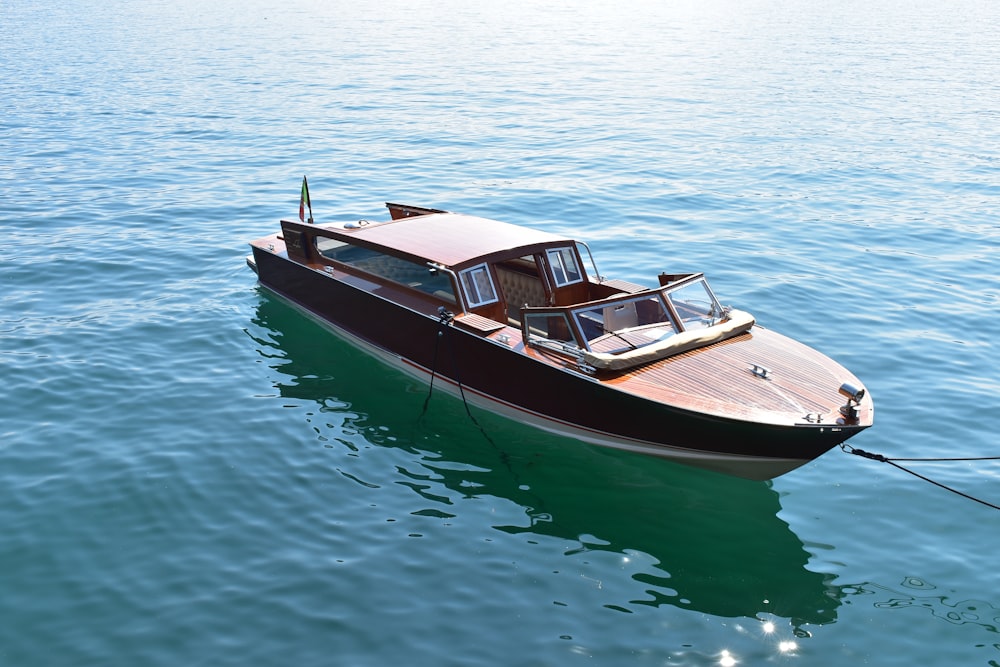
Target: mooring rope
893, 462
444, 320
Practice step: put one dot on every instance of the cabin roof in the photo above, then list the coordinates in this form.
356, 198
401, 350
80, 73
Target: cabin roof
453, 240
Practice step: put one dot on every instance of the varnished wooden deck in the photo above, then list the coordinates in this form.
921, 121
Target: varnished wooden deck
801, 384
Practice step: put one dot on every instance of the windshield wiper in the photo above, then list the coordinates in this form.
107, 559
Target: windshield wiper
621, 338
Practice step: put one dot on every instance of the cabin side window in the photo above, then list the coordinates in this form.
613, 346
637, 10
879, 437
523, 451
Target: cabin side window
414, 275
478, 286
343, 252
565, 269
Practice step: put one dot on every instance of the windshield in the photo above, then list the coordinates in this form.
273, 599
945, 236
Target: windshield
695, 305
625, 322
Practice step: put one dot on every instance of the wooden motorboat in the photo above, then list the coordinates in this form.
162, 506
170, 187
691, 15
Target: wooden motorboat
519, 321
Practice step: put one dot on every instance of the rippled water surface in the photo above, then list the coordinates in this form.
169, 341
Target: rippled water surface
193, 473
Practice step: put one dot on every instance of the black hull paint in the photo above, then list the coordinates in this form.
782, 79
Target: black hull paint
539, 390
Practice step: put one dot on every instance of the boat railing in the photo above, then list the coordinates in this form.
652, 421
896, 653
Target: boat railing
597, 274
462, 302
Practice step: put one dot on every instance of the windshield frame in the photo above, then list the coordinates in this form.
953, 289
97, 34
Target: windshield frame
634, 328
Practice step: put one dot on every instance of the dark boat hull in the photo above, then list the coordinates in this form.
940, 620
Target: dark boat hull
526, 389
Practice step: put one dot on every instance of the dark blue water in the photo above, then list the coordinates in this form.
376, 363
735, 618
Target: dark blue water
192, 473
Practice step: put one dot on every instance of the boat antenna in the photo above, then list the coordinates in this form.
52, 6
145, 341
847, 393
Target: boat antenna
304, 202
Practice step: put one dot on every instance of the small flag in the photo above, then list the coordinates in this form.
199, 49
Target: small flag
304, 202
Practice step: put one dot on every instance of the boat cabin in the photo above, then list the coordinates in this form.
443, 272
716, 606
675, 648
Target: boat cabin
494, 275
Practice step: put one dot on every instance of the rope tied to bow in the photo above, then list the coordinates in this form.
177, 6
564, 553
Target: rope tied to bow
894, 462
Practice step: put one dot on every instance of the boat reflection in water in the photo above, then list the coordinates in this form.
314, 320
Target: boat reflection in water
710, 543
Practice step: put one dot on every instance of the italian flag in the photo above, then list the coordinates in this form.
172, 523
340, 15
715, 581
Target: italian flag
304, 201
